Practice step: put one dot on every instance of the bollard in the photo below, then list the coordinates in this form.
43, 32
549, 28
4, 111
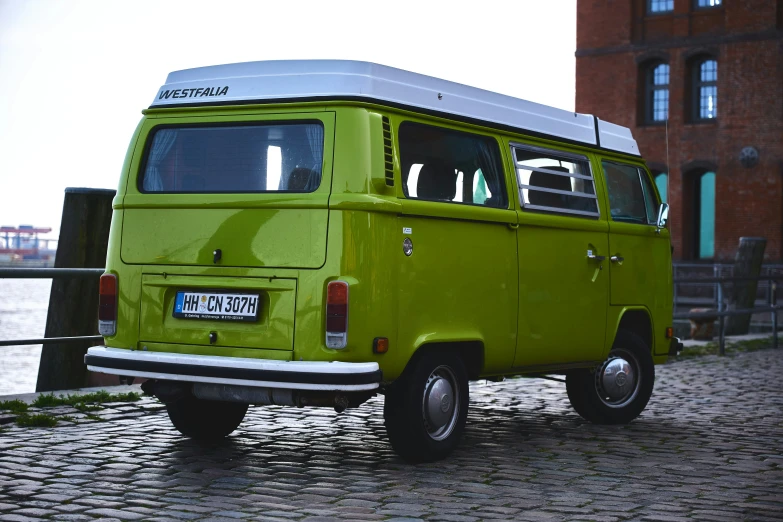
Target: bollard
747, 263
73, 302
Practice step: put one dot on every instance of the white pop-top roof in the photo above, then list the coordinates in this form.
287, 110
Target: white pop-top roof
340, 79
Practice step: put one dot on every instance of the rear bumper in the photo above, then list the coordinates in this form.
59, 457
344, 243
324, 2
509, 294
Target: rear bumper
266, 373
676, 346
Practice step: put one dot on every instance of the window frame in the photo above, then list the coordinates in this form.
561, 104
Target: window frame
650, 89
152, 132
697, 84
487, 137
649, 188
554, 153
640, 171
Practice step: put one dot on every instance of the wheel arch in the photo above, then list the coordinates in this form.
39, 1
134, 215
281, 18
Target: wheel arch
637, 320
470, 351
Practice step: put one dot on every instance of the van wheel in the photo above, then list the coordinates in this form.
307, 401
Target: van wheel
616, 391
205, 420
426, 409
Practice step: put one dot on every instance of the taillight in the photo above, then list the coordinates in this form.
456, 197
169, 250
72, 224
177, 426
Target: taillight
107, 305
336, 314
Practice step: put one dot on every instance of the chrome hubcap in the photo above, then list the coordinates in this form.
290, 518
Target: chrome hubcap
440, 405
617, 381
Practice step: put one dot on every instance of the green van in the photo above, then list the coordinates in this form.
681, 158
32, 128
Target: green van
313, 233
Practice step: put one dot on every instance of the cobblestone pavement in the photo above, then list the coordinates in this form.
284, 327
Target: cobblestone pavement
708, 447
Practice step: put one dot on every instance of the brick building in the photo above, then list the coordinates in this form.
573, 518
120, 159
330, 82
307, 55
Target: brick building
710, 73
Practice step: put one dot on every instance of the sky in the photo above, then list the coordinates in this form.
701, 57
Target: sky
75, 74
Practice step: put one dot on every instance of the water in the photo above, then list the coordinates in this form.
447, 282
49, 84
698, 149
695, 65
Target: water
23, 307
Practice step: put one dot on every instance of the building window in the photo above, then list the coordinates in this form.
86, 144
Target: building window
662, 182
704, 238
657, 93
707, 4
660, 6
705, 89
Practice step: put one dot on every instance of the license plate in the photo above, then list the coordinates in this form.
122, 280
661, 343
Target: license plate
217, 306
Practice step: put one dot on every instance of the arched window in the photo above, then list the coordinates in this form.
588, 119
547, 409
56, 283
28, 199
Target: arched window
657, 93
662, 182
704, 226
705, 89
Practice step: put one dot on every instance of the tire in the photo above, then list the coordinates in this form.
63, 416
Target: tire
587, 389
426, 408
203, 420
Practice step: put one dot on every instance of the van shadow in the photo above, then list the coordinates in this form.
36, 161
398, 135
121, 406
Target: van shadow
297, 444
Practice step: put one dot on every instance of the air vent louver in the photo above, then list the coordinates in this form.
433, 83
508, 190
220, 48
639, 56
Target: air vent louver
388, 152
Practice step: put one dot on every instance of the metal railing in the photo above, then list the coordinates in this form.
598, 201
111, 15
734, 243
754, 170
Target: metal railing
50, 273
721, 312
703, 273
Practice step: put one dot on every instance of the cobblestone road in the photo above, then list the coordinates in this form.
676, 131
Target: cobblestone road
708, 447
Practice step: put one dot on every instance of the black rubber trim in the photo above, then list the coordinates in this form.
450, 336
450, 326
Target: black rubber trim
247, 374
676, 346
597, 135
395, 105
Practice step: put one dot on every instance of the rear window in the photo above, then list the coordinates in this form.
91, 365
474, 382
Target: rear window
279, 157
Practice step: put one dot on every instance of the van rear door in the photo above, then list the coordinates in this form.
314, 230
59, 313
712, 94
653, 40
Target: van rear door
240, 192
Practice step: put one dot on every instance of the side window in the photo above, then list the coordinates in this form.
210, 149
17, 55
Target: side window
554, 182
631, 196
650, 201
445, 165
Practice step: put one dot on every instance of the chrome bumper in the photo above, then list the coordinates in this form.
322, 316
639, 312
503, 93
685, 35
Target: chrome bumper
242, 371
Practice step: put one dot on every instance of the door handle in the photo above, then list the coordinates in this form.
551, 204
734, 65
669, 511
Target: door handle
513, 226
617, 258
594, 257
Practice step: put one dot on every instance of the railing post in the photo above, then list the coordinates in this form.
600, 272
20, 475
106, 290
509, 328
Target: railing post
720, 296
674, 288
722, 337
773, 285
674, 301
769, 291
84, 236
716, 290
